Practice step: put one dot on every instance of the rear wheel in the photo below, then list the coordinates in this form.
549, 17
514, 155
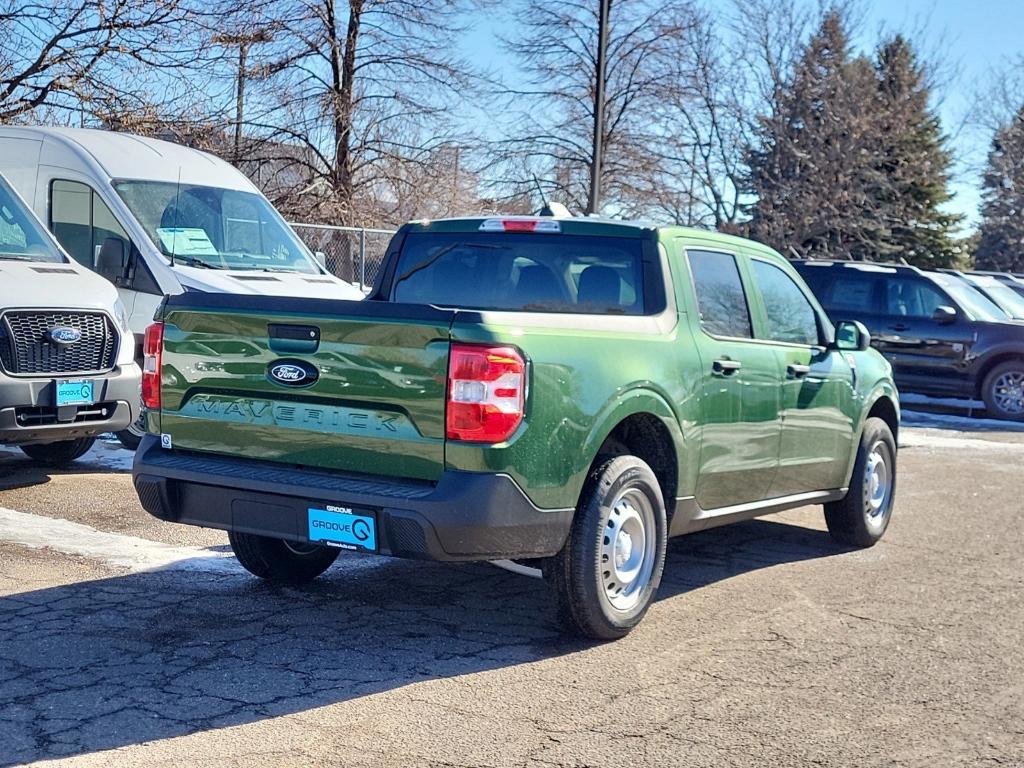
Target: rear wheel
286, 562
1003, 391
607, 574
861, 518
61, 453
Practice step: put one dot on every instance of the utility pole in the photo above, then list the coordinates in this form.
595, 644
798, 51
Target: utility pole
597, 158
243, 41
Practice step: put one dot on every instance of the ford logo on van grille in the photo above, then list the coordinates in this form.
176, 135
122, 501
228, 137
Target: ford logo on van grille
64, 335
293, 373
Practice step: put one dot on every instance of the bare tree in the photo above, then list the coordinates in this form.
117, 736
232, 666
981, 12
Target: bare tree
346, 92
82, 57
551, 106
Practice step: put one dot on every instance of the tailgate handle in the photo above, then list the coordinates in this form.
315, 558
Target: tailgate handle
293, 339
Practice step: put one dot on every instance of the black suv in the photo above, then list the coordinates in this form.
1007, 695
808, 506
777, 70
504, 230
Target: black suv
943, 337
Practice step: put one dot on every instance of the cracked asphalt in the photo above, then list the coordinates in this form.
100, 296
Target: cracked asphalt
769, 645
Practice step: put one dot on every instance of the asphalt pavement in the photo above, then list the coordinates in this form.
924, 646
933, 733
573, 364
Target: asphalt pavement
126, 641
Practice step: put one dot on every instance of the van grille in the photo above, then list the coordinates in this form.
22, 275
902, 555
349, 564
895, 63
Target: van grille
26, 348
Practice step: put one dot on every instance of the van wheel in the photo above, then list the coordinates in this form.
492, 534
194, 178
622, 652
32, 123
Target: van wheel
860, 519
285, 562
608, 572
1003, 391
132, 436
61, 453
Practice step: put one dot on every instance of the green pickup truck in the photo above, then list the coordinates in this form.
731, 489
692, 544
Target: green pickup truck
562, 392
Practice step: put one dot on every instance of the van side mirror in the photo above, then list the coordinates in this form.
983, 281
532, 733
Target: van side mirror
944, 315
110, 260
852, 336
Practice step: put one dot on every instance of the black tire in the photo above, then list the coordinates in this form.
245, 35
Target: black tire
132, 436
579, 574
277, 560
860, 519
994, 382
61, 453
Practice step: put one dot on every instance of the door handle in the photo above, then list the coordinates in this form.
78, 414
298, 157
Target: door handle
726, 367
795, 371
899, 327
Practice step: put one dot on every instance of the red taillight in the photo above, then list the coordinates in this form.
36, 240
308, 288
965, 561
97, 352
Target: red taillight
152, 360
485, 392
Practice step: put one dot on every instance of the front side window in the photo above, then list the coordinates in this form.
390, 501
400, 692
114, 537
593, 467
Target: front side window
720, 297
215, 228
22, 238
911, 298
791, 318
82, 222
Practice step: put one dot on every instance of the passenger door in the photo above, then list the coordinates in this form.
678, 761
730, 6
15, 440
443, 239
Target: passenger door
817, 397
740, 384
926, 355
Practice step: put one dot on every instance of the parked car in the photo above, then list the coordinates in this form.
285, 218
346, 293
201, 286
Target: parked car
1014, 282
995, 290
157, 218
67, 363
566, 392
943, 337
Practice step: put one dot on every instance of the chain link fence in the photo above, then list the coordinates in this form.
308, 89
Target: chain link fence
354, 254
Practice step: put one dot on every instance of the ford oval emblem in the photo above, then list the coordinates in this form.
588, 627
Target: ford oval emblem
64, 335
293, 373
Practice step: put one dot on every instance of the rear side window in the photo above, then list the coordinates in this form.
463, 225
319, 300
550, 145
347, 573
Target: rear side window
791, 318
851, 293
522, 272
720, 297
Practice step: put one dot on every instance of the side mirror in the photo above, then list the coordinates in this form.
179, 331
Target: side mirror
852, 336
110, 260
944, 315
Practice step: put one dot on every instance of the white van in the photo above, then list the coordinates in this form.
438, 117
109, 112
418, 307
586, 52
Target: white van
158, 218
67, 356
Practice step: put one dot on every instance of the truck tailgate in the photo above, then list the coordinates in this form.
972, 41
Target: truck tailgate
346, 385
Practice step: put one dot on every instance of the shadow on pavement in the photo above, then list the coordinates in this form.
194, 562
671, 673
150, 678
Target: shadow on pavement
19, 471
118, 661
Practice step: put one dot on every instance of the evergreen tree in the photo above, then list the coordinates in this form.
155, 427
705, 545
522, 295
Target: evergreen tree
914, 164
816, 172
1001, 244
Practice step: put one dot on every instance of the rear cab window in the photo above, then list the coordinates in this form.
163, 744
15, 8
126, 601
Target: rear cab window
524, 272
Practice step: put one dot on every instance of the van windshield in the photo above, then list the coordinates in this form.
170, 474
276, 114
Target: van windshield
22, 237
215, 228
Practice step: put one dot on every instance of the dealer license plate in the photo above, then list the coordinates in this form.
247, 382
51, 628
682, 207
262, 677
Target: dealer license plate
343, 527
76, 392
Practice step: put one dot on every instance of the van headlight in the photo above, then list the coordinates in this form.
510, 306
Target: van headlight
121, 315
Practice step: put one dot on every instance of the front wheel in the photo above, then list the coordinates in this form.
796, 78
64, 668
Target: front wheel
132, 435
60, 453
607, 574
860, 519
285, 562
1003, 391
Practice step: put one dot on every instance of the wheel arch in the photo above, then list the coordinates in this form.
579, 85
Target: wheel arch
990, 362
642, 424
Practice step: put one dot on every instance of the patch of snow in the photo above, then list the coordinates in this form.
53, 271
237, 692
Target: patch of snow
947, 402
959, 423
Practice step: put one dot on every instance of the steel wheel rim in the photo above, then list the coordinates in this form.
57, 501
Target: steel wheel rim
1008, 392
627, 549
878, 484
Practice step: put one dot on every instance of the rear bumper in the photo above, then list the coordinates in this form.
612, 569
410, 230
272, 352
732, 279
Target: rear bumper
465, 516
27, 414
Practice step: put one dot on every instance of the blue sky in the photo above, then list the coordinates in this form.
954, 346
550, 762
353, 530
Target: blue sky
975, 38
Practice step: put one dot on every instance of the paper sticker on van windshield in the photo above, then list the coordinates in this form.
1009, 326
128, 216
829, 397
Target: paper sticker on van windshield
186, 241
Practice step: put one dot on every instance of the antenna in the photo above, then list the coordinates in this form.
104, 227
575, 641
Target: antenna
540, 190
